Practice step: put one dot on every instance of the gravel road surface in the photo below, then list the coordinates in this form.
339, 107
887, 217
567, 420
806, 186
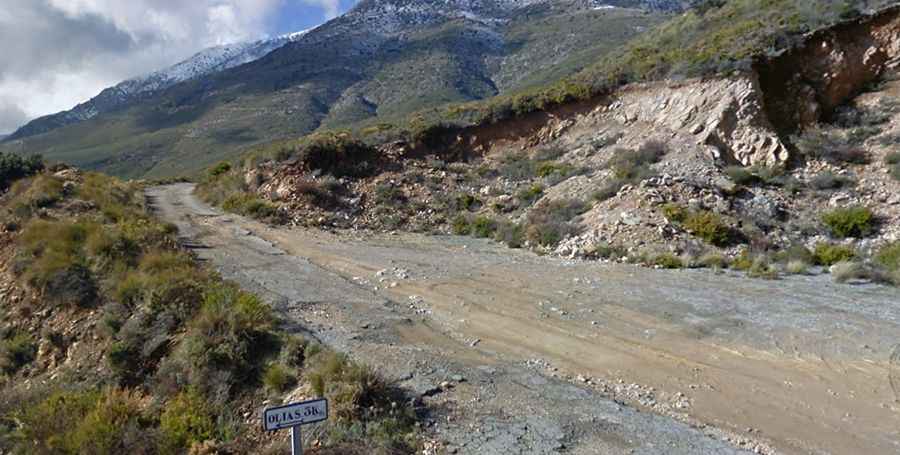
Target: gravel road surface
543, 355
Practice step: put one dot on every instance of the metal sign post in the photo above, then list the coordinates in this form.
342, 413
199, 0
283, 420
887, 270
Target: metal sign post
296, 441
294, 416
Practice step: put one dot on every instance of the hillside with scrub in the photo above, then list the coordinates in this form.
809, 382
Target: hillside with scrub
113, 339
718, 171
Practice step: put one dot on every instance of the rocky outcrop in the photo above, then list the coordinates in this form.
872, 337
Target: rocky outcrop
726, 115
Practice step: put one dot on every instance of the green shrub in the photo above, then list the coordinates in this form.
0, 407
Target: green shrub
43, 427
635, 165
517, 167
324, 192
44, 191
797, 267
828, 254
220, 169
892, 158
603, 250
829, 181
850, 222
741, 175
15, 167
277, 378
85, 422
293, 351
667, 261
461, 225
483, 227
16, 351
125, 362
848, 271
112, 426
893, 162
675, 213
388, 194
227, 338
361, 403
743, 261
185, 420
889, 256
550, 223
834, 147
348, 385
762, 268
549, 153
609, 190
112, 244
548, 168
511, 234
252, 206
713, 261
710, 227
530, 194
340, 155
54, 260
216, 190
796, 253
466, 202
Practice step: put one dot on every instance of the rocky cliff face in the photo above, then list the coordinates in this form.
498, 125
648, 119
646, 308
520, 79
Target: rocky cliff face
725, 115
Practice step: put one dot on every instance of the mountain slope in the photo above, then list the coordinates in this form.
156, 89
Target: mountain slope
214, 59
381, 61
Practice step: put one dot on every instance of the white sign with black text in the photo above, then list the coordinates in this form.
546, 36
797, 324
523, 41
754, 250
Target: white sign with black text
295, 414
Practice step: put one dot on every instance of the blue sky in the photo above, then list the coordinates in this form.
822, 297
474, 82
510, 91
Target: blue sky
298, 15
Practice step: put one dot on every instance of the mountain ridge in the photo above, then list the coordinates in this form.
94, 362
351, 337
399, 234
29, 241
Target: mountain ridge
381, 61
219, 58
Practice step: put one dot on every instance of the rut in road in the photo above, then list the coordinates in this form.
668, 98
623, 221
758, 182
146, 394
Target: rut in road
803, 364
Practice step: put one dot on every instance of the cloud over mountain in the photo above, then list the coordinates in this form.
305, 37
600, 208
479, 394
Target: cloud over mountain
61, 52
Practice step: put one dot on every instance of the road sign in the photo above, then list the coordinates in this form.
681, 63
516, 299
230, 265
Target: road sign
293, 416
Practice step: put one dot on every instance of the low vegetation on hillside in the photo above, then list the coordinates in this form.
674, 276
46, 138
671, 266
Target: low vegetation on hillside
14, 167
114, 340
714, 37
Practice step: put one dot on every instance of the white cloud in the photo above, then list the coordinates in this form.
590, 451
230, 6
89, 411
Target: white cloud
331, 7
66, 51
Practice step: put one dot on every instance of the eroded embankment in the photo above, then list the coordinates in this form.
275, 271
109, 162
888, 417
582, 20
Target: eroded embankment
805, 84
744, 118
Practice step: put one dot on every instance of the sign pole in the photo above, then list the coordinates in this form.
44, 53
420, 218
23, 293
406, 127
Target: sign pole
294, 416
296, 441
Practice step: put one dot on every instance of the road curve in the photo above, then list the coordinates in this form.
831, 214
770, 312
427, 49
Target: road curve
665, 361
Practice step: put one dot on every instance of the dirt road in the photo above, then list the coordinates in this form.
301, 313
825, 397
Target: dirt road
575, 356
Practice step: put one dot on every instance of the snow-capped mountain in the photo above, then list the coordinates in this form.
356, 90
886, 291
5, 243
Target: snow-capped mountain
391, 16
205, 62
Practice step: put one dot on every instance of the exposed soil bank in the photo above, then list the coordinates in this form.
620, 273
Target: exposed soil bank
805, 84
